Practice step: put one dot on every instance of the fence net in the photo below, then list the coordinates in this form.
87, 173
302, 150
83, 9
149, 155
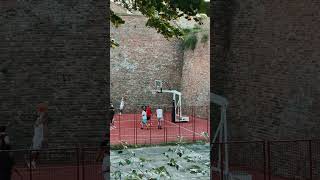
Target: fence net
127, 127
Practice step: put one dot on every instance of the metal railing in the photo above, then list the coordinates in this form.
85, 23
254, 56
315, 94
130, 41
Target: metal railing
267, 160
62, 164
128, 127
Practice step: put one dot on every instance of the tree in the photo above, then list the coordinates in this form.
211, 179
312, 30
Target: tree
161, 14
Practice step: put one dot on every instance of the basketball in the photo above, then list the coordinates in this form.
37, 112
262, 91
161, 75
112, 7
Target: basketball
42, 107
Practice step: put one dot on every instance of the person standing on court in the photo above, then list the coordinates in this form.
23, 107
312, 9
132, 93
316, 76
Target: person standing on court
40, 138
6, 159
149, 114
173, 113
143, 117
159, 117
111, 115
121, 105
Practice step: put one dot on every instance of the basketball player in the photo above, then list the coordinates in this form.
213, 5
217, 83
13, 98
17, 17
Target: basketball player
39, 140
143, 117
6, 159
111, 116
121, 105
159, 117
149, 114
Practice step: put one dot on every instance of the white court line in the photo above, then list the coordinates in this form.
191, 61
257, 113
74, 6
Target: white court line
117, 128
185, 128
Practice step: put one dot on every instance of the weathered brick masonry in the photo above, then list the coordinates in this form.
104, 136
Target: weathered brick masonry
195, 83
271, 70
266, 62
144, 56
54, 51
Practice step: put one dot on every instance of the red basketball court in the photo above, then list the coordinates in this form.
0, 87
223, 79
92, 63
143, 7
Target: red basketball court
128, 129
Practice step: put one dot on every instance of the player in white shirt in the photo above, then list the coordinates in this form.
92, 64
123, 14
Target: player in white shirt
143, 117
159, 117
121, 105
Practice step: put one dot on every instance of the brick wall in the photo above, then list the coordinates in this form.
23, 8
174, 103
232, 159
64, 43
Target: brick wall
270, 72
265, 61
143, 57
54, 51
195, 82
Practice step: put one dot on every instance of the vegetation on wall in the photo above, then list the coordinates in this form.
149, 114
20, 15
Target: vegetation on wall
190, 38
161, 14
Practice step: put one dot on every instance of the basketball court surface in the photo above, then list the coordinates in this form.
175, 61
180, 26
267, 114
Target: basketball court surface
128, 129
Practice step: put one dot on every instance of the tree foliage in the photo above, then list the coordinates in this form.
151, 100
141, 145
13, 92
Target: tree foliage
161, 14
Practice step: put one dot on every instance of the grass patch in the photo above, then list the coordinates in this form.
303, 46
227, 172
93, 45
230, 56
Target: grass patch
190, 38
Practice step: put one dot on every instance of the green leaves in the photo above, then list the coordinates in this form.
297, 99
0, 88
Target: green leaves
134, 175
188, 159
204, 39
164, 27
142, 159
161, 171
139, 165
173, 163
121, 163
161, 13
115, 19
195, 169
117, 174
128, 162
190, 38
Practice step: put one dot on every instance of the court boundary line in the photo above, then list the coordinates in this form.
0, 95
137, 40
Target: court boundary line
186, 129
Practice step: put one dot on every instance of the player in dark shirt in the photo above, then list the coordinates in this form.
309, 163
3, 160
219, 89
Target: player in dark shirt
111, 114
6, 159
